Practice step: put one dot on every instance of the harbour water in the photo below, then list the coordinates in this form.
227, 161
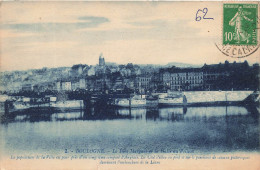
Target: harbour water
193, 129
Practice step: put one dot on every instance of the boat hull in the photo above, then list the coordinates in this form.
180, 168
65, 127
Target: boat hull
130, 103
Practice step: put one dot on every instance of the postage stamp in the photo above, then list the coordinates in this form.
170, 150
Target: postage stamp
240, 24
240, 30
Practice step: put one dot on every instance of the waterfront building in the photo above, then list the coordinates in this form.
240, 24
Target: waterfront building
183, 79
166, 79
210, 79
143, 83
215, 74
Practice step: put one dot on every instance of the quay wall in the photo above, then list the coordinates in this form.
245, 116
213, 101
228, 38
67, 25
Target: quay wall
216, 96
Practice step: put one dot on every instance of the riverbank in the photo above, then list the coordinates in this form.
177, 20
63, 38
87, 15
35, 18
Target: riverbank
170, 99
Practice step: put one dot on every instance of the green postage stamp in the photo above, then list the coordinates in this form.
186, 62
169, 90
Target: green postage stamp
240, 24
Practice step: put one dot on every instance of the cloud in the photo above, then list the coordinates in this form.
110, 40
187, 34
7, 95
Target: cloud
152, 23
94, 19
82, 22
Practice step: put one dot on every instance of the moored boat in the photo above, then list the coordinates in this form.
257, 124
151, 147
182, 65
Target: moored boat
136, 101
173, 98
68, 105
171, 101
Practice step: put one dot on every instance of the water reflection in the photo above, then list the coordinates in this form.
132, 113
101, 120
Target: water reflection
155, 114
203, 129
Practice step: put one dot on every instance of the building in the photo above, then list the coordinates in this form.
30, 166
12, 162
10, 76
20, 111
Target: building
71, 84
27, 87
101, 60
210, 78
58, 85
143, 83
66, 85
129, 83
166, 79
183, 79
100, 69
90, 83
91, 71
43, 87
118, 84
82, 83
74, 85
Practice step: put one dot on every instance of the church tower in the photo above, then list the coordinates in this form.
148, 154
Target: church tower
101, 60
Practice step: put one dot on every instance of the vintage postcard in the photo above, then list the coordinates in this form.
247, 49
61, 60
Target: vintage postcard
129, 85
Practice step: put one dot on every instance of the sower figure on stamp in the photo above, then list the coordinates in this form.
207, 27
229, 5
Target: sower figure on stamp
239, 21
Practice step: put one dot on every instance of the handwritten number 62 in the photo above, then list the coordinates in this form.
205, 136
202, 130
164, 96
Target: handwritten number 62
204, 11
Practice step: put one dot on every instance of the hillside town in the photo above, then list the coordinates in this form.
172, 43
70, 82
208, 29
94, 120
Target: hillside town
132, 78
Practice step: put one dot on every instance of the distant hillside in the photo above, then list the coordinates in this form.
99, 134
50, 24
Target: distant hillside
184, 65
176, 64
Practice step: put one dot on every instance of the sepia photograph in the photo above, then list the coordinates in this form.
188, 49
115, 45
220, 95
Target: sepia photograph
129, 85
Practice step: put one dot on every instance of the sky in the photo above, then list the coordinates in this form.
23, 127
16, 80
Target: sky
54, 34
